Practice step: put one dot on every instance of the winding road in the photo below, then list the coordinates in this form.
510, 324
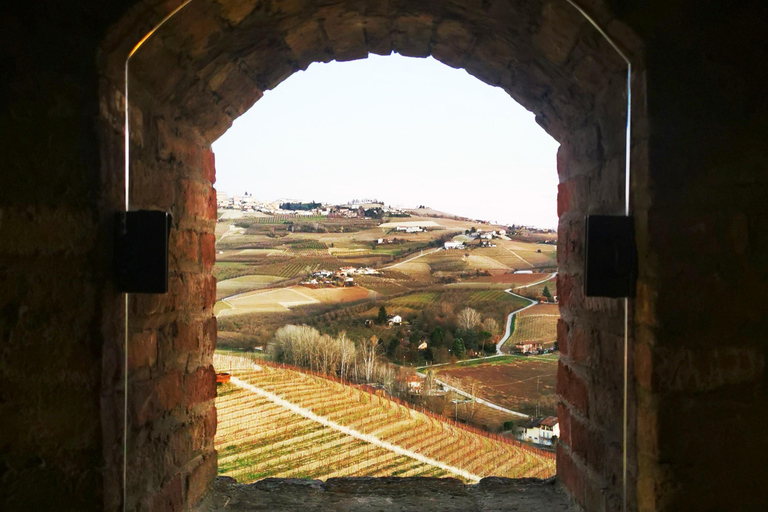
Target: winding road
507, 334
508, 331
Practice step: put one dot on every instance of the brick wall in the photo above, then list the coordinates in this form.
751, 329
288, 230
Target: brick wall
698, 194
213, 61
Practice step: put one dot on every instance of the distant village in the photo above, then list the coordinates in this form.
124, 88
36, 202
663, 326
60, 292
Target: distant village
353, 209
369, 208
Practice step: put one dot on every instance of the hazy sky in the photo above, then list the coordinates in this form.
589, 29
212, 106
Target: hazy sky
405, 131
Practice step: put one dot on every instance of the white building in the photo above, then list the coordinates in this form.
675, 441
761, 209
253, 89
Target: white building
395, 320
453, 245
541, 431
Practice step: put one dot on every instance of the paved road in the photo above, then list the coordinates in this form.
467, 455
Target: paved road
508, 331
550, 276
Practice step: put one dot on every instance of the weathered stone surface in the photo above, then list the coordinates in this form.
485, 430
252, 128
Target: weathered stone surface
375, 494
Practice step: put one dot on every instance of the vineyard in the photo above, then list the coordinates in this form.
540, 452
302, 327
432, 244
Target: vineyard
537, 324
281, 422
494, 295
415, 300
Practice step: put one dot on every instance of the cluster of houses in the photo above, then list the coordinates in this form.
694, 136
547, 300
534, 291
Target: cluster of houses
248, 203
410, 229
344, 276
528, 347
544, 431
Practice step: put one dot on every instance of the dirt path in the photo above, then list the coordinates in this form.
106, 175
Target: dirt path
351, 432
480, 400
518, 256
411, 259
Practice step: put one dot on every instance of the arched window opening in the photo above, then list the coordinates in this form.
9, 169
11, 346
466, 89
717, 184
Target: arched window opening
210, 63
386, 264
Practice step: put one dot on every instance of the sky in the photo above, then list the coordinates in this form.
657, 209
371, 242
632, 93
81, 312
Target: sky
402, 130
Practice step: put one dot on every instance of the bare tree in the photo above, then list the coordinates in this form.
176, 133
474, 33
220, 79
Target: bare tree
369, 352
347, 352
468, 318
491, 325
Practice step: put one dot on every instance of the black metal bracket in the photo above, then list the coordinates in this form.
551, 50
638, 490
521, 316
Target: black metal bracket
611, 256
141, 251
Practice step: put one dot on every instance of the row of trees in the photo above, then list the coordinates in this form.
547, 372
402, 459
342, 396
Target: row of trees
301, 345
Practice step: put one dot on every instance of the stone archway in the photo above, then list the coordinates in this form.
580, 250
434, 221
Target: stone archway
212, 61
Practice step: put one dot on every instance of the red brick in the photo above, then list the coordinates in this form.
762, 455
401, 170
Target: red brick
184, 247
209, 288
210, 420
169, 498
562, 336
179, 450
169, 390
209, 165
572, 388
200, 479
200, 386
587, 444
209, 334
208, 250
564, 195
568, 294
573, 476
199, 200
579, 346
564, 422
187, 337
142, 350
151, 399
562, 161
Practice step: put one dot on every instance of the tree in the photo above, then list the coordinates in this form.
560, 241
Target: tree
458, 348
491, 325
468, 319
382, 317
393, 344
369, 353
545, 292
483, 340
437, 337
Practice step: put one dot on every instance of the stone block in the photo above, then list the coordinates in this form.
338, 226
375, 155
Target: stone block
345, 32
452, 43
558, 31
307, 43
235, 11
412, 35
378, 34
